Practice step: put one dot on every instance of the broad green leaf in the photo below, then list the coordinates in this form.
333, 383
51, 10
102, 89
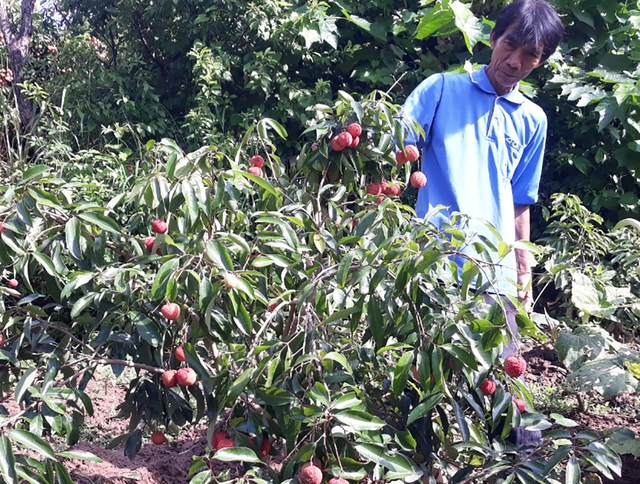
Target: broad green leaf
45, 262
79, 455
34, 173
237, 454
81, 304
25, 382
380, 455
424, 407
146, 328
100, 220
219, 255
63, 474
32, 442
572, 472
7, 461
159, 288
359, 420
338, 358
376, 323
263, 183
401, 372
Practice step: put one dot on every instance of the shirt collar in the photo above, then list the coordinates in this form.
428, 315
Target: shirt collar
480, 79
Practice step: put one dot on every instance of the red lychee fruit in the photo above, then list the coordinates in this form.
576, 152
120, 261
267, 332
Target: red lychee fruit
221, 440
159, 227
272, 307
520, 404
338, 480
310, 474
149, 242
336, 145
158, 438
354, 129
355, 142
169, 378
401, 158
380, 199
230, 280
254, 170
515, 366
345, 139
374, 188
418, 179
2, 227
13, 283
171, 311
392, 190
2, 339
257, 161
412, 152
487, 387
179, 353
186, 376
265, 447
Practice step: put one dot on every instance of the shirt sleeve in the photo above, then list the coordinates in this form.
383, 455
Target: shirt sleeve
421, 106
526, 177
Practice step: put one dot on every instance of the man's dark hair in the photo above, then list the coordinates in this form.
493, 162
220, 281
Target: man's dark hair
535, 21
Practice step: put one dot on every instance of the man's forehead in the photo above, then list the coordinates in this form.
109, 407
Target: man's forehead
516, 39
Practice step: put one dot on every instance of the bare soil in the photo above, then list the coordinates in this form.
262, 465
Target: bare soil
169, 463
546, 372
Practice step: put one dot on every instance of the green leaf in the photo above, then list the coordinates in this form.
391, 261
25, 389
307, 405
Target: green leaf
401, 372
343, 269
45, 262
424, 407
259, 181
25, 382
172, 162
32, 442
190, 207
81, 304
338, 358
376, 323
219, 255
7, 461
159, 288
359, 420
572, 473
79, 455
146, 328
380, 455
237, 454
101, 221
439, 20
34, 173
72, 237
63, 474
239, 385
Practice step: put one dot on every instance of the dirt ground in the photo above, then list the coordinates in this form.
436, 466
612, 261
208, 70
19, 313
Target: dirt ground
169, 463
547, 377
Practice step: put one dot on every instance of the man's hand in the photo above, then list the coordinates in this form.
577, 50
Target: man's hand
525, 293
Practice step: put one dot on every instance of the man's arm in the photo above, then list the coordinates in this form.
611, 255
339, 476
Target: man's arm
523, 263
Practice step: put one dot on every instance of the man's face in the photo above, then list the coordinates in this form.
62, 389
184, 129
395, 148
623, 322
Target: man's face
510, 61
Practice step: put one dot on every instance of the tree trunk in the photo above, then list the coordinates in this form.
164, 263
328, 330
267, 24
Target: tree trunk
18, 48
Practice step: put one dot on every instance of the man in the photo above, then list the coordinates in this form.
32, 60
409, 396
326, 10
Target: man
485, 141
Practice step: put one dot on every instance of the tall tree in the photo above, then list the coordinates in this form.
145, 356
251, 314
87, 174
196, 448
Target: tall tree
18, 47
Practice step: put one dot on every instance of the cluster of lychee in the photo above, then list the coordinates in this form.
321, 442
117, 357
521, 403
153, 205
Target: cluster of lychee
159, 227
311, 473
183, 376
515, 366
6, 76
349, 138
256, 162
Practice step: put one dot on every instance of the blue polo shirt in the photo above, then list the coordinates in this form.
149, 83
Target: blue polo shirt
482, 155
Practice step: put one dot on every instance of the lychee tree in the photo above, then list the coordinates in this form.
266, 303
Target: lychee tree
315, 319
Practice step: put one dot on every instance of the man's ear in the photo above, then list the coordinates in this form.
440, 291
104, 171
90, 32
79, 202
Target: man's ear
492, 38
